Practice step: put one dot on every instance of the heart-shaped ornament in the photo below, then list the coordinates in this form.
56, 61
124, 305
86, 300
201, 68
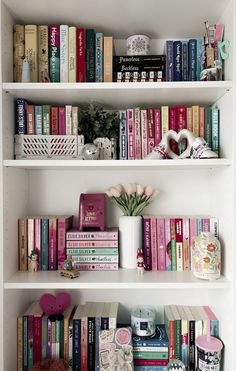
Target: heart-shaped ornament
51, 304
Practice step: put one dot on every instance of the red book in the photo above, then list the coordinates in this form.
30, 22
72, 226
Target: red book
150, 131
80, 55
52, 244
173, 125
151, 362
64, 223
54, 121
30, 119
37, 338
61, 121
157, 126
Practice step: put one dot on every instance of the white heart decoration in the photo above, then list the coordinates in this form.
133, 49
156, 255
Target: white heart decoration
196, 147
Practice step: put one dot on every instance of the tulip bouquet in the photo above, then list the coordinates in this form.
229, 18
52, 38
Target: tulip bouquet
133, 200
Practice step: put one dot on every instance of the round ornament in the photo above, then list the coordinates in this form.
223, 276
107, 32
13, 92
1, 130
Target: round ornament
206, 256
90, 152
138, 45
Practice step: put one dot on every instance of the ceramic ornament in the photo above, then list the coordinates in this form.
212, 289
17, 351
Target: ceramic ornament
89, 152
25, 77
196, 147
138, 45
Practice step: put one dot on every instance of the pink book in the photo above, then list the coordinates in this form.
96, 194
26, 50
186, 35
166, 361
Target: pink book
52, 244
173, 125
30, 237
161, 250
147, 254
168, 244
144, 133
62, 121
137, 134
109, 234
201, 121
186, 251
157, 126
54, 120
37, 239
131, 134
206, 225
37, 338
64, 223
150, 131
154, 243
189, 116
192, 235
102, 244
179, 243
97, 266
80, 55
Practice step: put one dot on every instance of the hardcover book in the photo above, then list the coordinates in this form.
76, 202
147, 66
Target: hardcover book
90, 55
31, 50
80, 55
43, 52
64, 53
54, 53
72, 54
99, 57
107, 58
18, 51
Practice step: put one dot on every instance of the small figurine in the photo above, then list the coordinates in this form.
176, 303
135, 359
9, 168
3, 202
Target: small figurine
25, 77
140, 265
33, 261
89, 152
68, 270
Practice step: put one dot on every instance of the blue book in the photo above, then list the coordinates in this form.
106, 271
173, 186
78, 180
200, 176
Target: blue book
150, 368
177, 61
200, 49
215, 130
99, 57
90, 55
123, 137
44, 244
21, 124
159, 339
76, 338
169, 61
192, 59
38, 120
199, 226
185, 60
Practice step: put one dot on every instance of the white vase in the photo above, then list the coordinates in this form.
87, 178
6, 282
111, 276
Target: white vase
130, 239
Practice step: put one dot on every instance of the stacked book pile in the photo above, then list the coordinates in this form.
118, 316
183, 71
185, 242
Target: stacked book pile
168, 242
184, 324
151, 352
143, 129
148, 68
93, 250
42, 242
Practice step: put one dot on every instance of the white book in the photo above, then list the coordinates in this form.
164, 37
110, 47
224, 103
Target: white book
75, 120
68, 120
72, 54
64, 53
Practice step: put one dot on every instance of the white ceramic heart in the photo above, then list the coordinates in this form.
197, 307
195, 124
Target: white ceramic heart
196, 147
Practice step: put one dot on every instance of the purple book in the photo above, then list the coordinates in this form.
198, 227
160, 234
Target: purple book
147, 244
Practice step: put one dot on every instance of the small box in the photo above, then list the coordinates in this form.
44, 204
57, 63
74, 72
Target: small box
92, 211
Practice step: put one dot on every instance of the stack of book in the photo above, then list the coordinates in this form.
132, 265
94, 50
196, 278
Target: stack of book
184, 324
148, 68
88, 320
62, 53
42, 242
46, 119
151, 351
143, 129
93, 250
168, 242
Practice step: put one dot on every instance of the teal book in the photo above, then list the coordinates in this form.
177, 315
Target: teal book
54, 53
44, 244
90, 55
99, 57
46, 119
208, 133
215, 130
200, 49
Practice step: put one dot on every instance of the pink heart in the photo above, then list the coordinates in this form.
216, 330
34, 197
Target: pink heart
51, 304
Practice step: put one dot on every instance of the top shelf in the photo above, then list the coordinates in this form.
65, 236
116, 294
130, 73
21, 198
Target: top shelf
122, 95
162, 19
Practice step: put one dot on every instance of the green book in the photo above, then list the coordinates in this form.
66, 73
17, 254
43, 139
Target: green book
46, 119
54, 53
150, 355
177, 320
173, 245
208, 134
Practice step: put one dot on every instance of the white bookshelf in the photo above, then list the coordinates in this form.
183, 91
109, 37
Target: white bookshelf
187, 187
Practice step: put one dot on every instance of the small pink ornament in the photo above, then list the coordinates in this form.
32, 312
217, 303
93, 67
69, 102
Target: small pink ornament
51, 304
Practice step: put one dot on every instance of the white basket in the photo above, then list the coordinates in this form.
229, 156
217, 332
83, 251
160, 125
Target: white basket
35, 147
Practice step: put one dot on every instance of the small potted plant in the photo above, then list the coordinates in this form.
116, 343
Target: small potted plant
132, 202
101, 127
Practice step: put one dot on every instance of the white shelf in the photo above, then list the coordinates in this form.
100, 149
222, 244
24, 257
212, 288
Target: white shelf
165, 18
122, 95
117, 164
121, 279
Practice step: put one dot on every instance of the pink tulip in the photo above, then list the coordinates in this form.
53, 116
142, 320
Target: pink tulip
115, 192
140, 190
148, 191
119, 188
108, 193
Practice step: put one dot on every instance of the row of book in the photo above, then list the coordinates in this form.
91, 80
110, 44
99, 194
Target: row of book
168, 242
142, 129
93, 250
46, 119
42, 242
151, 351
74, 335
184, 325
62, 53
